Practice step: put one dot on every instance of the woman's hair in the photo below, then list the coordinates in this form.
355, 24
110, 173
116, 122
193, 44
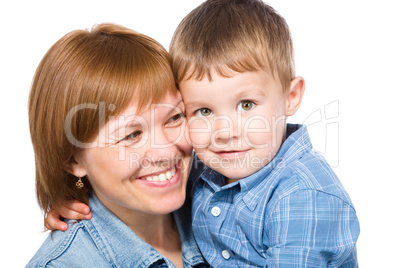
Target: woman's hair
237, 35
83, 80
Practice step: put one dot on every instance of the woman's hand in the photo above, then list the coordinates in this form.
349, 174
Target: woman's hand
73, 210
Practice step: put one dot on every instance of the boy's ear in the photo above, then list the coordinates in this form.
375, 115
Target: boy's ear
75, 168
294, 95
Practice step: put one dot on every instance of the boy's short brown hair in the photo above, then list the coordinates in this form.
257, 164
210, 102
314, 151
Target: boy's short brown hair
242, 35
85, 79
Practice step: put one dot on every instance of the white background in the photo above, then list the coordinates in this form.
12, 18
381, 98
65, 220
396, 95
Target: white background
349, 52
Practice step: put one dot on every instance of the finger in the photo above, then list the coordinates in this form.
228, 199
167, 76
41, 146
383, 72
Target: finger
78, 206
75, 210
53, 222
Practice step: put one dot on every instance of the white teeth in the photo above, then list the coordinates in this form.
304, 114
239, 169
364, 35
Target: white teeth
163, 176
173, 171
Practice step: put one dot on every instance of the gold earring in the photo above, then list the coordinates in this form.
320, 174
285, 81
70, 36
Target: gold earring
79, 183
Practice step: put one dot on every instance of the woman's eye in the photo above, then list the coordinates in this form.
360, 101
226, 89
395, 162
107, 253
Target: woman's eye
176, 119
245, 105
203, 112
133, 136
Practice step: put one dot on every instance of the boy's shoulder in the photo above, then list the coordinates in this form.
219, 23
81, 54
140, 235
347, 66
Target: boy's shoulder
311, 172
68, 249
298, 167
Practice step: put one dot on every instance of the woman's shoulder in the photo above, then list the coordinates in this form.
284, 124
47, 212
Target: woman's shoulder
68, 249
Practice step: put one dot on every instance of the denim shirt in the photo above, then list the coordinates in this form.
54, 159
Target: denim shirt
105, 241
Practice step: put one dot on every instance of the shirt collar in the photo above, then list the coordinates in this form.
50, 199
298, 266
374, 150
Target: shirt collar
296, 145
118, 239
210, 176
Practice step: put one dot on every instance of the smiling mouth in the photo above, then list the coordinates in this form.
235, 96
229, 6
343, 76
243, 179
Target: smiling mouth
165, 176
231, 154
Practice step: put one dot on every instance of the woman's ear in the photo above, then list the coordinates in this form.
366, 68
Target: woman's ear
294, 95
75, 168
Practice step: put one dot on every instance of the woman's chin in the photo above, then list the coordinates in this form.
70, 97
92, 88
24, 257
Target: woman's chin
168, 205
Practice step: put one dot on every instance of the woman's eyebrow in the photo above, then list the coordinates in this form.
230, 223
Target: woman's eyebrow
177, 106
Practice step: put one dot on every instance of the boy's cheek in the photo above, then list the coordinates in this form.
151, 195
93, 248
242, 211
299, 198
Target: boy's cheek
261, 138
199, 140
262, 132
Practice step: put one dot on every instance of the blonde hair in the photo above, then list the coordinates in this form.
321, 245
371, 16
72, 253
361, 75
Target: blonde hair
106, 67
242, 35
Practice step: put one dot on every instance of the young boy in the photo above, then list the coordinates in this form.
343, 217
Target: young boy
263, 198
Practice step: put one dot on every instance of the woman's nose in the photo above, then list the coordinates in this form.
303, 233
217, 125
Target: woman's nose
160, 148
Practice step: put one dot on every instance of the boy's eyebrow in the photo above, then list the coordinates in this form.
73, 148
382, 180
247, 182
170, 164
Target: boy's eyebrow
191, 104
243, 94
248, 92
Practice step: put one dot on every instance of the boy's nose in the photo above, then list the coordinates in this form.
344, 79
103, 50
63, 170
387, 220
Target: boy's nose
225, 129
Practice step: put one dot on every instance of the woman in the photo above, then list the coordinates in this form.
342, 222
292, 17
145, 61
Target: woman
107, 127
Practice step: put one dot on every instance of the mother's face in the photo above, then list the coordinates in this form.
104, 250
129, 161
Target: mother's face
141, 161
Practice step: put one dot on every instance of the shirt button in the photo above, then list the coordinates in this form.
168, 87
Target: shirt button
215, 211
226, 254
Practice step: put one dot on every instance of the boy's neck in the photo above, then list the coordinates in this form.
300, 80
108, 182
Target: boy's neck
228, 181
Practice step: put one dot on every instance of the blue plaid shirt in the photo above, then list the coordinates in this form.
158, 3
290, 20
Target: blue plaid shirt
292, 213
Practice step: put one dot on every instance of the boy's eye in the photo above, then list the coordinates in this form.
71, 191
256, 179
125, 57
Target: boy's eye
203, 112
245, 105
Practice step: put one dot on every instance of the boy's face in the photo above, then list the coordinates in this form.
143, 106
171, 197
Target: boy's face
236, 124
